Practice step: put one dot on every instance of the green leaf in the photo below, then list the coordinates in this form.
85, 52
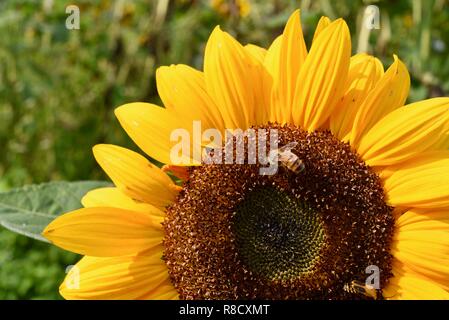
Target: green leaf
28, 210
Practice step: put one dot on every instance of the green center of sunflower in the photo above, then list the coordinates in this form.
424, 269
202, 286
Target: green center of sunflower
277, 236
233, 233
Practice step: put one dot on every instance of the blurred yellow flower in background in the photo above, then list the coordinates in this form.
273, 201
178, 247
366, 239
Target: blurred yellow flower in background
228, 7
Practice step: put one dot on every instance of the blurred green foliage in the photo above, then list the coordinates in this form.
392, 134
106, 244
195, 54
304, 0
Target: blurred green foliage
29, 268
58, 87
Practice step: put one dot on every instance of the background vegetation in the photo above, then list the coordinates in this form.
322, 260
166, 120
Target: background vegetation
58, 88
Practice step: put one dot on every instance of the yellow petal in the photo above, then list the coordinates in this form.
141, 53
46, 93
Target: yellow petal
322, 24
177, 171
257, 52
389, 94
424, 220
165, 291
405, 132
229, 72
430, 275
135, 176
109, 278
421, 243
322, 77
410, 287
423, 184
443, 143
270, 65
420, 159
183, 89
104, 232
285, 69
271, 58
364, 72
113, 197
151, 128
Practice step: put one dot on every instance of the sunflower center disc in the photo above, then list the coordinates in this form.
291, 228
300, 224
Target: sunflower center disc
233, 233
276, 235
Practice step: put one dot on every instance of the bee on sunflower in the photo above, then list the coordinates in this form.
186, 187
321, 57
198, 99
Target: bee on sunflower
373, 189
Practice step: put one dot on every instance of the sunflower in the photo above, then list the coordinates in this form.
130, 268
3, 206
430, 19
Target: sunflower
374, 191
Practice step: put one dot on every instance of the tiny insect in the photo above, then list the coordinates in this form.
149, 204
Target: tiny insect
287, 158
358, 287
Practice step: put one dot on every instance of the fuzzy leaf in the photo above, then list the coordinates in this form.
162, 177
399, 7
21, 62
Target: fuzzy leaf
29, 209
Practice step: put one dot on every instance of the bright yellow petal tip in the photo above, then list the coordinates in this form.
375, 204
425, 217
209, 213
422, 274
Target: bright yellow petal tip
323, 76
104, 232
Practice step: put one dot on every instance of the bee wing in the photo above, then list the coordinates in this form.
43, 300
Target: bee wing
288, 146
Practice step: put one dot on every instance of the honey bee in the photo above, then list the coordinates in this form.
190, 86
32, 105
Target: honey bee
287, 158
358, 287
